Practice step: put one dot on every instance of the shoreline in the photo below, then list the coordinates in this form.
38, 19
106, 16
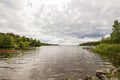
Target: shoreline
112, 72
7, 50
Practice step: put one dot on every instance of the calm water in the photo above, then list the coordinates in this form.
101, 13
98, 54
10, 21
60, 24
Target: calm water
49, 63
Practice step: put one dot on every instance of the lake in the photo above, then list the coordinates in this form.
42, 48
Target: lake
50, 63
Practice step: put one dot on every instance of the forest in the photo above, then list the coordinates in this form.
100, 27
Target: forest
10, 40
90, 43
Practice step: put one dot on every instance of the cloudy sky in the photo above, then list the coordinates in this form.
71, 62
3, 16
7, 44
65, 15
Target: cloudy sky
59, 21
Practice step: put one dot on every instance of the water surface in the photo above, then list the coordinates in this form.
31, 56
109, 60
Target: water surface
50, 63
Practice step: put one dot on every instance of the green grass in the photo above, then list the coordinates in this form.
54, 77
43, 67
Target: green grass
117, 75
70, 79
107, 48
109, 76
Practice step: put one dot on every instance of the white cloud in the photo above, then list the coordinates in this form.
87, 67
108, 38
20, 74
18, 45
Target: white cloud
61, 21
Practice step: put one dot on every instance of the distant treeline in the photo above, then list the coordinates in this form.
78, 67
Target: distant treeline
90, 43
10, 40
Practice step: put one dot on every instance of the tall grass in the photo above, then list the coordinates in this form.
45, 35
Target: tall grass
108, 48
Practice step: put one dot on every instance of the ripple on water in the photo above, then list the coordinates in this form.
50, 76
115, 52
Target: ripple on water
50, 63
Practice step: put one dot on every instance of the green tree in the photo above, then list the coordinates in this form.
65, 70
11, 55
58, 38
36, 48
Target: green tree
21, 44
115, 35
1, 40
106, 40
39, 43
33, 42
7, 41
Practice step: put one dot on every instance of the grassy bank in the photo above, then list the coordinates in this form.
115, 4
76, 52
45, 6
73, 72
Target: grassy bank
110, 52
107, 48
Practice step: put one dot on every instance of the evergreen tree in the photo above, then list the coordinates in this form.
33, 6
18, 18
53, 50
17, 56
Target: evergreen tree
115, 35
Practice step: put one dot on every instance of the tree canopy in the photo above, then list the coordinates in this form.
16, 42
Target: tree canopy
115, 35
10, 40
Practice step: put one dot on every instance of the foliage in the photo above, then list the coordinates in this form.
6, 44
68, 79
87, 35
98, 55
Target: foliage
10, 40
109, 75
117, 75
70, 79
21, 44
108, 48
6, 41
111, 44
115, 35
107, 40
90, 43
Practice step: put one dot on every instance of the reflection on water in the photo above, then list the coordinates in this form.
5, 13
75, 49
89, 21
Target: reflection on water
49, 63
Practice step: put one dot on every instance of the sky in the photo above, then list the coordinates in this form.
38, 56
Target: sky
59, 21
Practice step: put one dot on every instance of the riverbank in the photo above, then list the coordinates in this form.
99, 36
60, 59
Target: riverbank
110, 72
111, 53
7, 50
10, 52
108, 48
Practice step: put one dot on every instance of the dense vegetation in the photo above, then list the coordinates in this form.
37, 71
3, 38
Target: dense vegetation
111, 44
90, 43
10, 40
